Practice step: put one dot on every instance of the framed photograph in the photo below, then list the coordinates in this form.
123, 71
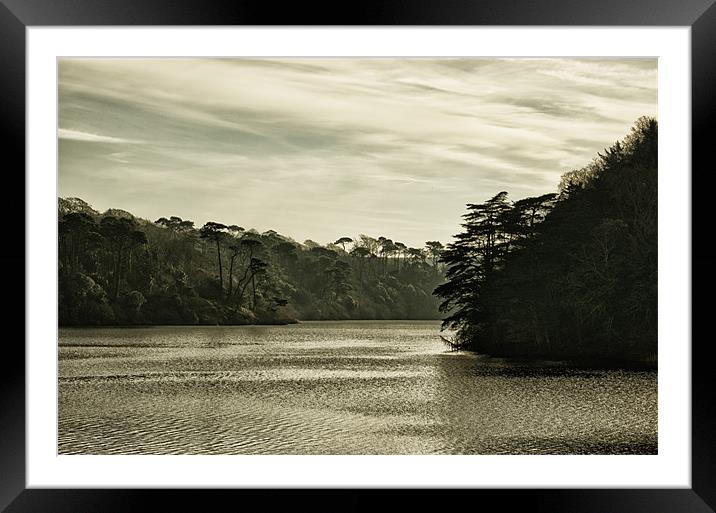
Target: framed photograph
436, 247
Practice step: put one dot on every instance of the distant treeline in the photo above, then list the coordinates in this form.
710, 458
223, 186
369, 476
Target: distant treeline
116, 269
571, 274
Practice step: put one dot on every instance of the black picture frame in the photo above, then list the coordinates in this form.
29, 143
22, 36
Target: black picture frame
17, 15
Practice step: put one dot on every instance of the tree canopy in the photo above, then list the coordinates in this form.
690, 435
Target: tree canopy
569, 274
126, 270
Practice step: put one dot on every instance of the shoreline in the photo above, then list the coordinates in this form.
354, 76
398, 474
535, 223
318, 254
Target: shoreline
286, 323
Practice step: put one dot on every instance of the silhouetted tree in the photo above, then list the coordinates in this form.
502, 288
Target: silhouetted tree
122, 235
343, 241
435, 249
215, 232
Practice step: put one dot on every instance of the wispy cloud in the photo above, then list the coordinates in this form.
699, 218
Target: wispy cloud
319, 148
76, 135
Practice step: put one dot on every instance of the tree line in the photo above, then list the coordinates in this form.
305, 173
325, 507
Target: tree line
117, 269
569, 274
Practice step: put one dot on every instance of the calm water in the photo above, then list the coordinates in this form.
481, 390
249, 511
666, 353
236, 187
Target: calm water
334, 388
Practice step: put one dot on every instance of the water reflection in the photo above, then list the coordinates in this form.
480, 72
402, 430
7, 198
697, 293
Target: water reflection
334, 388
493, 406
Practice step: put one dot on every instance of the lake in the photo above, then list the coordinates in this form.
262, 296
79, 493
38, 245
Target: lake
343, 387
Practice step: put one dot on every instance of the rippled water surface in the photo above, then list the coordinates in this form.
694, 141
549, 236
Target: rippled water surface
335, 388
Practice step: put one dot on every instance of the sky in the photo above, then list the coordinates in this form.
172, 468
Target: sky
324, 148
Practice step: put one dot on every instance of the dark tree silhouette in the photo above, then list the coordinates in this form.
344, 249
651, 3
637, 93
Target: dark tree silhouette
400, 249
435, 249
74, 230
215, 232
343, 241
572, 274
122, 236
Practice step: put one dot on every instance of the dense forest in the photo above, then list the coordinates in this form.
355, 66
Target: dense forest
570, 274
117, 269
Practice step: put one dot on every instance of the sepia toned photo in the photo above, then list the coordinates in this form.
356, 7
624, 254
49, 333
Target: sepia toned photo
357, 256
